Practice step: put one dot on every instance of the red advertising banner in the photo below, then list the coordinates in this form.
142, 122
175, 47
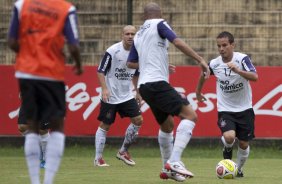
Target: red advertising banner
83, 102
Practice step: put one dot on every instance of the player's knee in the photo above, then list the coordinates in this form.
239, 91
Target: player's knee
23, 129
194, 117
42, 132
229, 138
137, 120
187, 112
105, 126
243, 144
168, 125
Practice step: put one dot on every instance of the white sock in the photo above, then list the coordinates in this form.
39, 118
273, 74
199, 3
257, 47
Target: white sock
32, 151
226, 144
166, 144
54, 152
43, 143
130, 136
100, 140
242, 156
183, 136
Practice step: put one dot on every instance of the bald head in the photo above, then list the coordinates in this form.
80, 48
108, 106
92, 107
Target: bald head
128, 28
152, 10
128, 33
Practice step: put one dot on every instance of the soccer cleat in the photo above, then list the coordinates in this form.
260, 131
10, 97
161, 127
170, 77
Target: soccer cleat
166, 174
240, 174
42, 164
179, 168
100, 163
227, 153
125, 157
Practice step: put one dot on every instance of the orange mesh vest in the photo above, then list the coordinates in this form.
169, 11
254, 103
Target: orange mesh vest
41, 38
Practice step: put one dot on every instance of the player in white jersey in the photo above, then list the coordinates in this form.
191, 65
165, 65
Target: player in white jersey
117, 97
149, 53
233, 71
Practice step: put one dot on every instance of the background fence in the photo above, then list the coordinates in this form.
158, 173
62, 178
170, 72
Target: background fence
256, 25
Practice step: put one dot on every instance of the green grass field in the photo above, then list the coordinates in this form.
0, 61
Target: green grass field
263, 167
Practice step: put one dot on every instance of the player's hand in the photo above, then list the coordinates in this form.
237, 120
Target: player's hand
105, 95
205, 69
139, 100
200, 97
171, 68
232, 66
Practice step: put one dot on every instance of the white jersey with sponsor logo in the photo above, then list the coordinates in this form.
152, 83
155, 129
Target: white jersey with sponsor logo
234, 92
118, 76
152, 52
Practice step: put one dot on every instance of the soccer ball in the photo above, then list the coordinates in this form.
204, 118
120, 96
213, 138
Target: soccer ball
226, 169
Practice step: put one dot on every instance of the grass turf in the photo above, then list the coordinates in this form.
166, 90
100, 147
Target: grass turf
263, 166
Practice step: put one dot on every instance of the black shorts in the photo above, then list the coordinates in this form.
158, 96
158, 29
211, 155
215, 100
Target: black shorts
108, 111
241, 122
44, 125
163, 99
42, 100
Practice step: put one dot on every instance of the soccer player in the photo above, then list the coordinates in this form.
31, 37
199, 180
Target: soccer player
149, 54
36, 35
233, 71
117, 97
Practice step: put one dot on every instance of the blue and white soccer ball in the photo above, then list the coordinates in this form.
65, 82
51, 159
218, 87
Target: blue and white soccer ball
226, 169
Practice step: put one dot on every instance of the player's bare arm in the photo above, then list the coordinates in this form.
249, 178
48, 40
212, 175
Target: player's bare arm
105, 91
200, 97
75, 53
252, 76
187, 50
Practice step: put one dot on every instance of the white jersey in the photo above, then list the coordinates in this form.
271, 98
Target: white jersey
117, 75
152, 52
233, 91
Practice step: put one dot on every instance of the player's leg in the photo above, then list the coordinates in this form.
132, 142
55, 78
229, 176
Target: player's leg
44, 136
31, 146
182, 138
226, 123
165, 139
178, 105
22, 124
242, 156
129, 109
54, 113
163, 101
151, 94
100, 140
107, 117
228, 140
245, 133
54, 150
24, 128
183, 132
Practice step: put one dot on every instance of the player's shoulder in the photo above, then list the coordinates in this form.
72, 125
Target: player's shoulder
113, 48
239, 56
18, 4
154, 21
215, 62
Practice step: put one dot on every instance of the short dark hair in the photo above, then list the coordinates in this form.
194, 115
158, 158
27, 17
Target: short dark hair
226, 34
